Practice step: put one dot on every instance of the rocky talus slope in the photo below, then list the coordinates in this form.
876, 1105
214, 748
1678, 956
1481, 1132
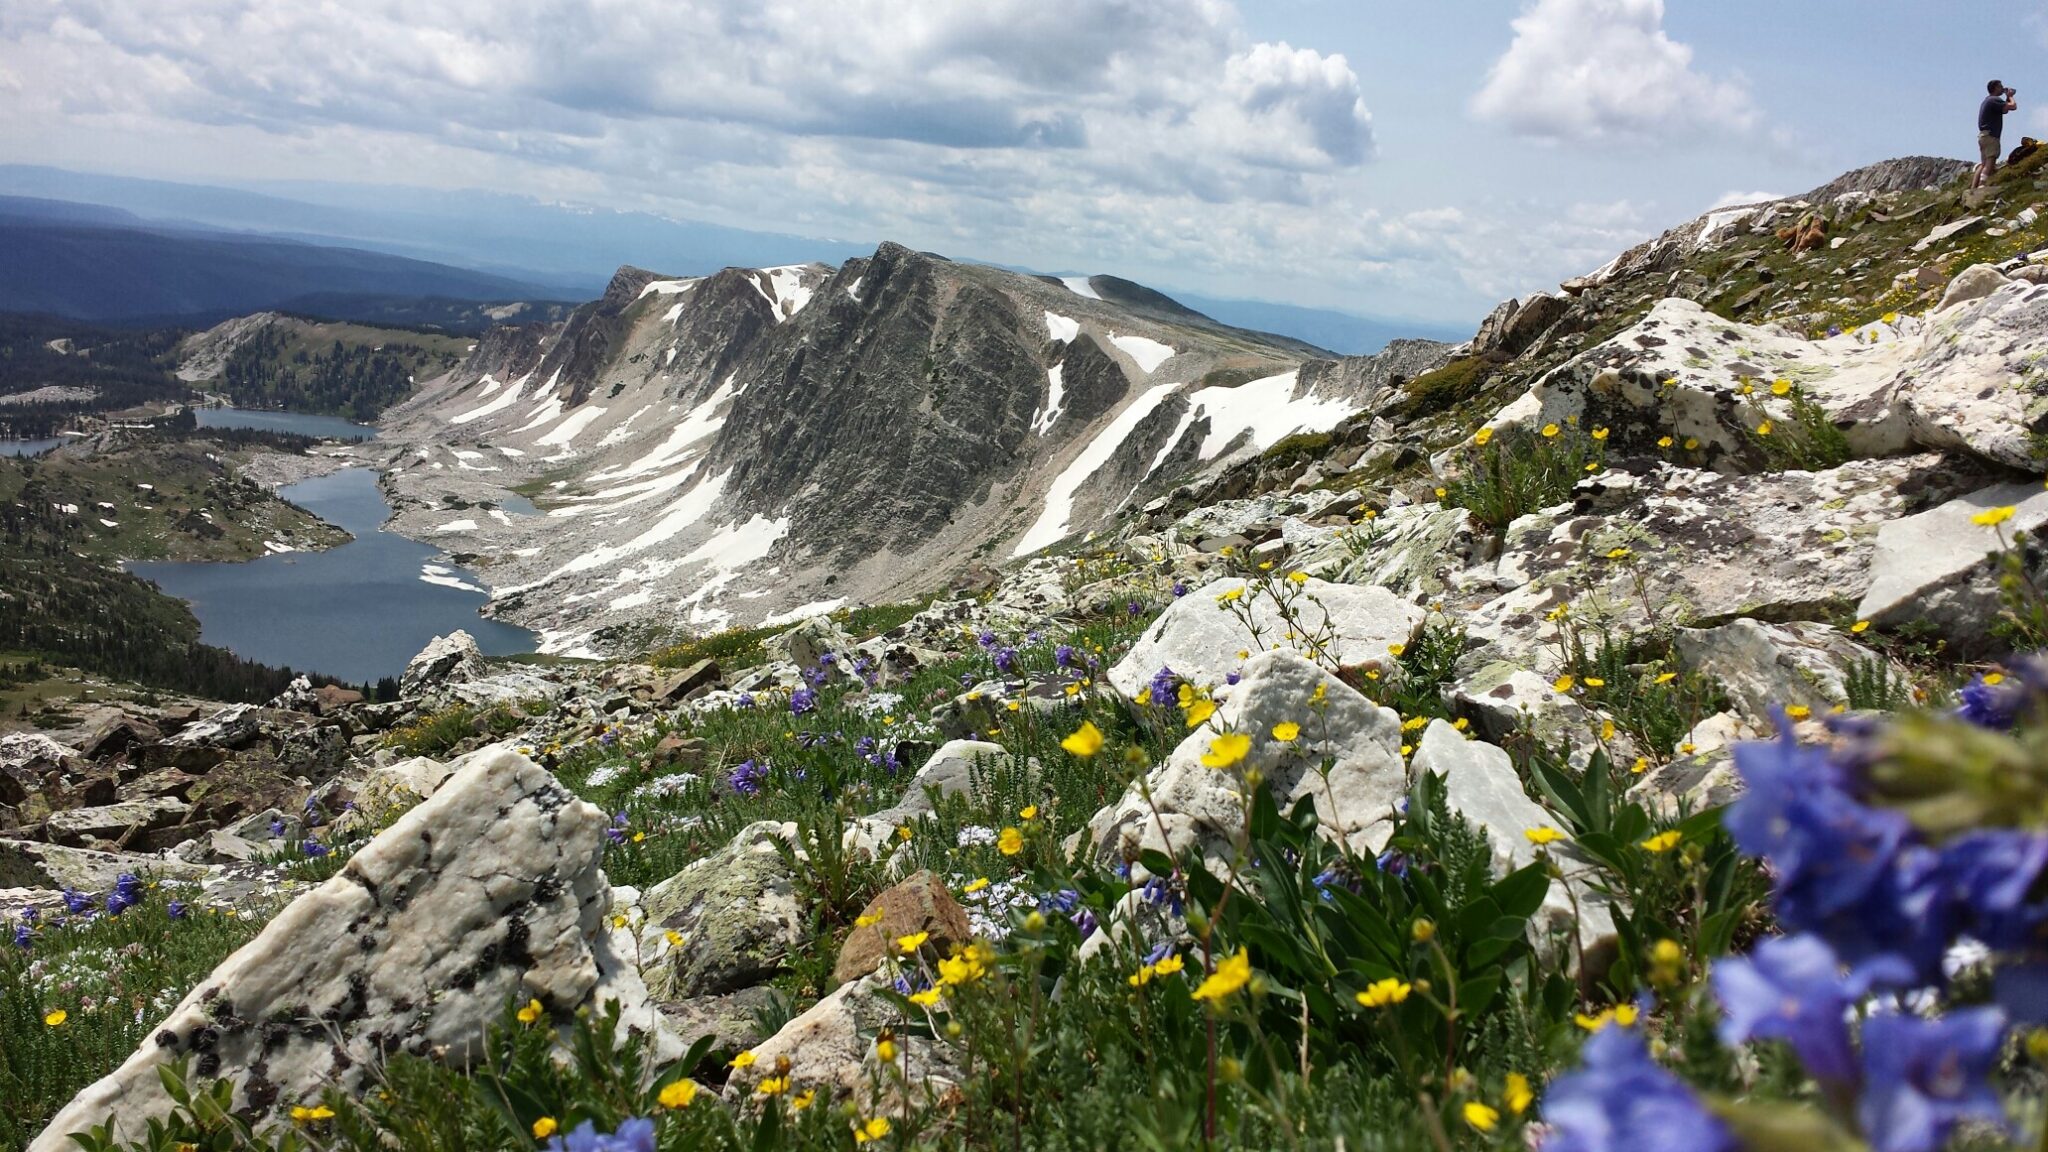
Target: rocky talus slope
1546, 595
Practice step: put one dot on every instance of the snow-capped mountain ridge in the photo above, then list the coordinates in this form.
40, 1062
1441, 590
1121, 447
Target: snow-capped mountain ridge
715, 451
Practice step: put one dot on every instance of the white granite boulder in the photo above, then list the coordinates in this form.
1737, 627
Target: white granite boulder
1196, 806
449, 659
1938, 566
1203, 640
490, 891
1481, 785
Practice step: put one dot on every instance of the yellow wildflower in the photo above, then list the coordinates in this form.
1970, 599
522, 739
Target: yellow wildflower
1663, 841
1481, 1117
1542, 834
1010, 842
868, 920
531, 1012
1780, 387
678, 1094
1991, 517
873, 1129
912, 942
1232, 974
1665, 442
542, 1128
1199, 712
1860, 627
1764, 429
1562, 683
303, 1115
803, 1099
926, 998
1234, 594
1599, 433
1286, 731
674, 938
1595, 682
773, 1086
1666, 677
56, 1019
1798, 711
744, 1060
1482, 436
1423, 930
1994, 679
1692, 444
1381, 993
1226, 750
1086, 740
1516, 1095
1550, 431
1641, 765
1298, 577
885, 1047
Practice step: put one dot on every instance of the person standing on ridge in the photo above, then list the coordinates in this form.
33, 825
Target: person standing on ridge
1990, 125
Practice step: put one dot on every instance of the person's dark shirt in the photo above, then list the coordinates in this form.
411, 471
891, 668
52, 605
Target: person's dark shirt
1991, 116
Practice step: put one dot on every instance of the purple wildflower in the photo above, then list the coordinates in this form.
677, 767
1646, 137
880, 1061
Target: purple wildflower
1180, 589
76, 902
314, 848
801, 701
1162, 687
1792, 989
1063, 656
636, 1135
1923, 1076
175, 909
1621, 1101
986, 639
749, 778
1006, 660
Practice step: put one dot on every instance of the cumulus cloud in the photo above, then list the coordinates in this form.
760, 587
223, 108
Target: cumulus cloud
1605, 69
1150, 138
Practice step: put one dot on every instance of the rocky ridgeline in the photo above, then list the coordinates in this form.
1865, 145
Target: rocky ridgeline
1791, 514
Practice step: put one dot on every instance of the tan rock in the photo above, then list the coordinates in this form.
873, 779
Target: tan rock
920, 903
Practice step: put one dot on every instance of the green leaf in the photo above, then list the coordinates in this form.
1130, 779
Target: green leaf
1521, 892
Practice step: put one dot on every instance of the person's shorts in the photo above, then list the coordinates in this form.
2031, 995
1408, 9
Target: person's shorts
1987, 147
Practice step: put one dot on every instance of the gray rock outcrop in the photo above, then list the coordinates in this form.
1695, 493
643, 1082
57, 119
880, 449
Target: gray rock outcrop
491, 890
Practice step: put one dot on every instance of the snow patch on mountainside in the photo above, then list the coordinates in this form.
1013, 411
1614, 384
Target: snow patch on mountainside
785, 290
1055, 395
565, 435
1062, 329
804, 612
503, 402
1268, 409
1149, 354
1059, 499
1079, 286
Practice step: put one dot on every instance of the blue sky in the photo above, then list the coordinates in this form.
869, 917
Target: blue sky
1397, 158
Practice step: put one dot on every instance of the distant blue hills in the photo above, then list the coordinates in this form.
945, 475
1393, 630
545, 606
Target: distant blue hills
125, 250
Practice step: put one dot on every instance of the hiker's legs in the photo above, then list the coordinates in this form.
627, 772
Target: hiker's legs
1987, 159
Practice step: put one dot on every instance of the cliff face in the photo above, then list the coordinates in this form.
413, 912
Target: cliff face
717, 450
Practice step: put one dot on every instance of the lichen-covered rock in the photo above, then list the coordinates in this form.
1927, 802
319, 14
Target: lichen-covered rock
1976, 381
1937, 567
489, 891
1202, 640
919, 903
1692, 783
1697, 547
1481, 785
1195, 805
1764, 667
736, 913
1410, 550
1966, 378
